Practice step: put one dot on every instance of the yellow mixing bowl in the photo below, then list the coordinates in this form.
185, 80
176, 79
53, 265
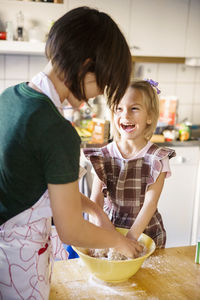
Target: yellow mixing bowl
116, 270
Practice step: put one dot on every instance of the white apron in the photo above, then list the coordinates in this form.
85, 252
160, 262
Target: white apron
27, 240
26, 249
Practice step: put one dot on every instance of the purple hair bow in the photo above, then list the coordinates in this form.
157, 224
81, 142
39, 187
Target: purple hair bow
154, 84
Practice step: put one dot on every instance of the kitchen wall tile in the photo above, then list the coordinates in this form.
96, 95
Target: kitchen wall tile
2, 67
196, 114
185, 92
167, 88
197, 94
16, 67
36, 64
185, 73
138, 71
1, 85
197, 77
167, 72
146, 70
102, 108
184, 112
11, 82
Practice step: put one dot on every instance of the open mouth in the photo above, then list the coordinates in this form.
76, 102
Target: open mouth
128, 127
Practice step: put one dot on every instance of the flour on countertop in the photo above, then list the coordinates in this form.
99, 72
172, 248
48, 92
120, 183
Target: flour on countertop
95, 289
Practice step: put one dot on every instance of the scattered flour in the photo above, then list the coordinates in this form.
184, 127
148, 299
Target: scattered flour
96, 289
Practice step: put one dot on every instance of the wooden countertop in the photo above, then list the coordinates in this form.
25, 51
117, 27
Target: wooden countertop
169, 273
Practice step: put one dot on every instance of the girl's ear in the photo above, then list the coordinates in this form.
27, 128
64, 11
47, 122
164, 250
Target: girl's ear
149, 121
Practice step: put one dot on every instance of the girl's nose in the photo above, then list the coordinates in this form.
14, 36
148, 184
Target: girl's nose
125, 113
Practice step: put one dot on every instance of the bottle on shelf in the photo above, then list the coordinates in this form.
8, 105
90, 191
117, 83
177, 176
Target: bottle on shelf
9, 31
20, 26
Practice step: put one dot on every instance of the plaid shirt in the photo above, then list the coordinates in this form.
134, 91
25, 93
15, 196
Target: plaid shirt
125, 183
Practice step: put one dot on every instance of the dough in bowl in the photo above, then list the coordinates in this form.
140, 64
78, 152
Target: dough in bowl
111, 253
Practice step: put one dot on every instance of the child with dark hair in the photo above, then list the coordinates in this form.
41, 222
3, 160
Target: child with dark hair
39, 152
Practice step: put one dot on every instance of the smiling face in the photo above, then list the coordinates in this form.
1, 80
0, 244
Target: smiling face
130, 117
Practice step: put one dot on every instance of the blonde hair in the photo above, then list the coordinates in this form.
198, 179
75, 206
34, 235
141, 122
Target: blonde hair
151, 102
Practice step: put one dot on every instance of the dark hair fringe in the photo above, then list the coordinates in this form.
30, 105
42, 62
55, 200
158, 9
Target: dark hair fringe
86, 40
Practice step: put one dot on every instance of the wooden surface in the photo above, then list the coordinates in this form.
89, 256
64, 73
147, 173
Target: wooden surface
167, 274
159, 59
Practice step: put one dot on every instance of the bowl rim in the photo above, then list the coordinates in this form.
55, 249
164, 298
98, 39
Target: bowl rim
119, 261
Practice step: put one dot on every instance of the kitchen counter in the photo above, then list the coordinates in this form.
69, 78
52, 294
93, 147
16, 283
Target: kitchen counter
169, 273
190, 143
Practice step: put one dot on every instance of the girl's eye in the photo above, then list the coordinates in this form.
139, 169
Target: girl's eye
118, 109
135, 108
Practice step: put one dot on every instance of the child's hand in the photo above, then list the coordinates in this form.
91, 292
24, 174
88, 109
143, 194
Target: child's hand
130, 235
129, 248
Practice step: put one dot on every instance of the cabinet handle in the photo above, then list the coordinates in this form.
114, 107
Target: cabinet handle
135, 47
181, 159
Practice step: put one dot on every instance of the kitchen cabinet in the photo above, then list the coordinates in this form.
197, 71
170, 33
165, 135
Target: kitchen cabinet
193, 30
158, 27
179, 198
119, 10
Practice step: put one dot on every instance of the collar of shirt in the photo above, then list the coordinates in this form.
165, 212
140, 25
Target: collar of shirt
43, 83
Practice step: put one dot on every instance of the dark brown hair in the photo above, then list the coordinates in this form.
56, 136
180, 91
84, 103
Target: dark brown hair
86, 40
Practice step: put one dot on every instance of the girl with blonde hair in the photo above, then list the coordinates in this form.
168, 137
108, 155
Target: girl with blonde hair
131, 170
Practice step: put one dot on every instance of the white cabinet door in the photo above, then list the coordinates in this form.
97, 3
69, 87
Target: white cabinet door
158, 27
177, 200
119, 10
193, 31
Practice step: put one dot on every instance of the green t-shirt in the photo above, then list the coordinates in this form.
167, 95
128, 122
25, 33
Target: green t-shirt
37, 146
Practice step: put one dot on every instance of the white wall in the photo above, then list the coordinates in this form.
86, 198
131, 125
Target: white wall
178, 80
18, 68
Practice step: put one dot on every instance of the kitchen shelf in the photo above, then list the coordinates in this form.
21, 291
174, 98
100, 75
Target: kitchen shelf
38, 48
158, 59
15, 47
29, 1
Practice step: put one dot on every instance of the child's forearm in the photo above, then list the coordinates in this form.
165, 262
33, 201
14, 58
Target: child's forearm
96, 194
96, 237
142, 220
74, 230
89, 206
148, 209
96, 214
